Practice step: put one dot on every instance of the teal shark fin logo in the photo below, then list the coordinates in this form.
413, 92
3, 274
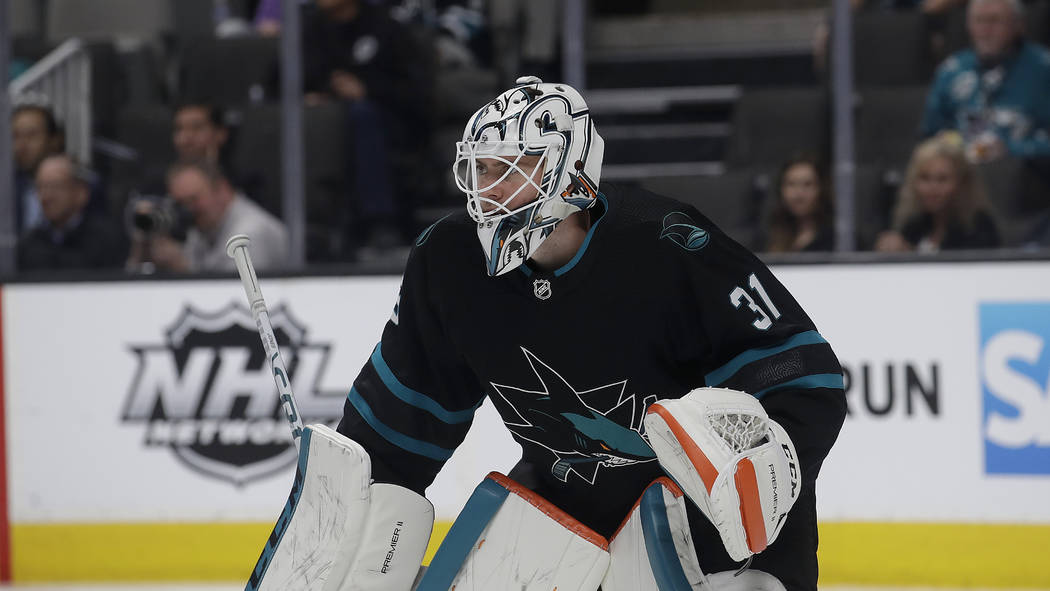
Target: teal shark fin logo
683, 231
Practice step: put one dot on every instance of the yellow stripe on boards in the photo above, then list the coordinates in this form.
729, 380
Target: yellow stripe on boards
440, 531
146, 551
912, 554
136, 551
935, 554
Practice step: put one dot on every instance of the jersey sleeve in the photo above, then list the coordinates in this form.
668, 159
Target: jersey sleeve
414, 399
745, 331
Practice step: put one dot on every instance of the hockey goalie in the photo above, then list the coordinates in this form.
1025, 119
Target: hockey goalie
673, 401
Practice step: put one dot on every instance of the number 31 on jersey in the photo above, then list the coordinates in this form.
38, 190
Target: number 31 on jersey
766, 315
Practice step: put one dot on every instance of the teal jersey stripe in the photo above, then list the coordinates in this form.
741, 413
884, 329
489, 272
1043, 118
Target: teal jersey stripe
583, 247
399, 439
414, 398
820, 380
716, 377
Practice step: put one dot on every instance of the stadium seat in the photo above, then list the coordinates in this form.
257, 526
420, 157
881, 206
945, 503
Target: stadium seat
1037, 21
147, 129
888, 124
1019, 194
257, 154
891, 48
462, 91
230, 71
769, 125
25, 17
875, 196
141, 19
459, 92
731, 200
192, 19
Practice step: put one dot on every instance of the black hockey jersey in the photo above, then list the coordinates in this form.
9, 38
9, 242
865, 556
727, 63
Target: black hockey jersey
657, 302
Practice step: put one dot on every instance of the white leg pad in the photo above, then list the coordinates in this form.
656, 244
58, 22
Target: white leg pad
508, 537
392, 542
653, 549
337, 531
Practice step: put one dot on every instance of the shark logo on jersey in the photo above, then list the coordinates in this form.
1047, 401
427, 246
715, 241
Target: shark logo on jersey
206, 393
571, 424
683, 231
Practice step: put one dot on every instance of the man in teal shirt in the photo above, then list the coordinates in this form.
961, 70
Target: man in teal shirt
995, 94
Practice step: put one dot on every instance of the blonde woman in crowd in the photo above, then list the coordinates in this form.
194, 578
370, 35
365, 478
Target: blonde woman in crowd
942, 204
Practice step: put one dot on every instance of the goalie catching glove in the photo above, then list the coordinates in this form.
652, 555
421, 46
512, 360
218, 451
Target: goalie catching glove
738, 465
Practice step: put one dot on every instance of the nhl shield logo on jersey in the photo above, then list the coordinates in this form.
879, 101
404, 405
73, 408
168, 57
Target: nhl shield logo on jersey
541, 288
206, 392
585, 429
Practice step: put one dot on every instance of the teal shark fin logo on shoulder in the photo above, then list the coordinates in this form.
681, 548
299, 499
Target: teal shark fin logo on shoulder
683, 231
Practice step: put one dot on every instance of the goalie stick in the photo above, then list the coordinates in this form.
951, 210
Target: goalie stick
336, 525
237, 249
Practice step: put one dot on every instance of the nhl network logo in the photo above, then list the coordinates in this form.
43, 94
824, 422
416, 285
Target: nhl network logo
207, 393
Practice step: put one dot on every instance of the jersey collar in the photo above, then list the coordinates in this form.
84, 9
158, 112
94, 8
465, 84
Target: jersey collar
600, 211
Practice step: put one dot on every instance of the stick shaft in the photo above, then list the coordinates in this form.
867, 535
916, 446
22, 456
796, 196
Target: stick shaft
237, 249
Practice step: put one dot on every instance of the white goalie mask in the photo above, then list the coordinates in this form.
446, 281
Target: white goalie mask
528, 160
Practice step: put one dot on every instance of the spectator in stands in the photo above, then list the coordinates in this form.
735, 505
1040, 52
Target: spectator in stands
994, 94
355, 53
199, 132
202, 192
802, 218
942, 203
35, 136
69, 236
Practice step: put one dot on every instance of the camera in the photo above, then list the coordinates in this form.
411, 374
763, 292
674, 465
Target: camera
158, 215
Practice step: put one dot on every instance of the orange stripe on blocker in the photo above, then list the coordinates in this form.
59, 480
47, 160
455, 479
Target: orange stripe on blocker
703, 465
750, 505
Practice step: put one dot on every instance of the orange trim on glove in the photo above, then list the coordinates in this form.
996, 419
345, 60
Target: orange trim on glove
750, 506
706, 470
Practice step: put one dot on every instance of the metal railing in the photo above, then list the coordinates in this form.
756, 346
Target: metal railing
63, 77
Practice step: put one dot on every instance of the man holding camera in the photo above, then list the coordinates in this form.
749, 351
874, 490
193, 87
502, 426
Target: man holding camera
208, 211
